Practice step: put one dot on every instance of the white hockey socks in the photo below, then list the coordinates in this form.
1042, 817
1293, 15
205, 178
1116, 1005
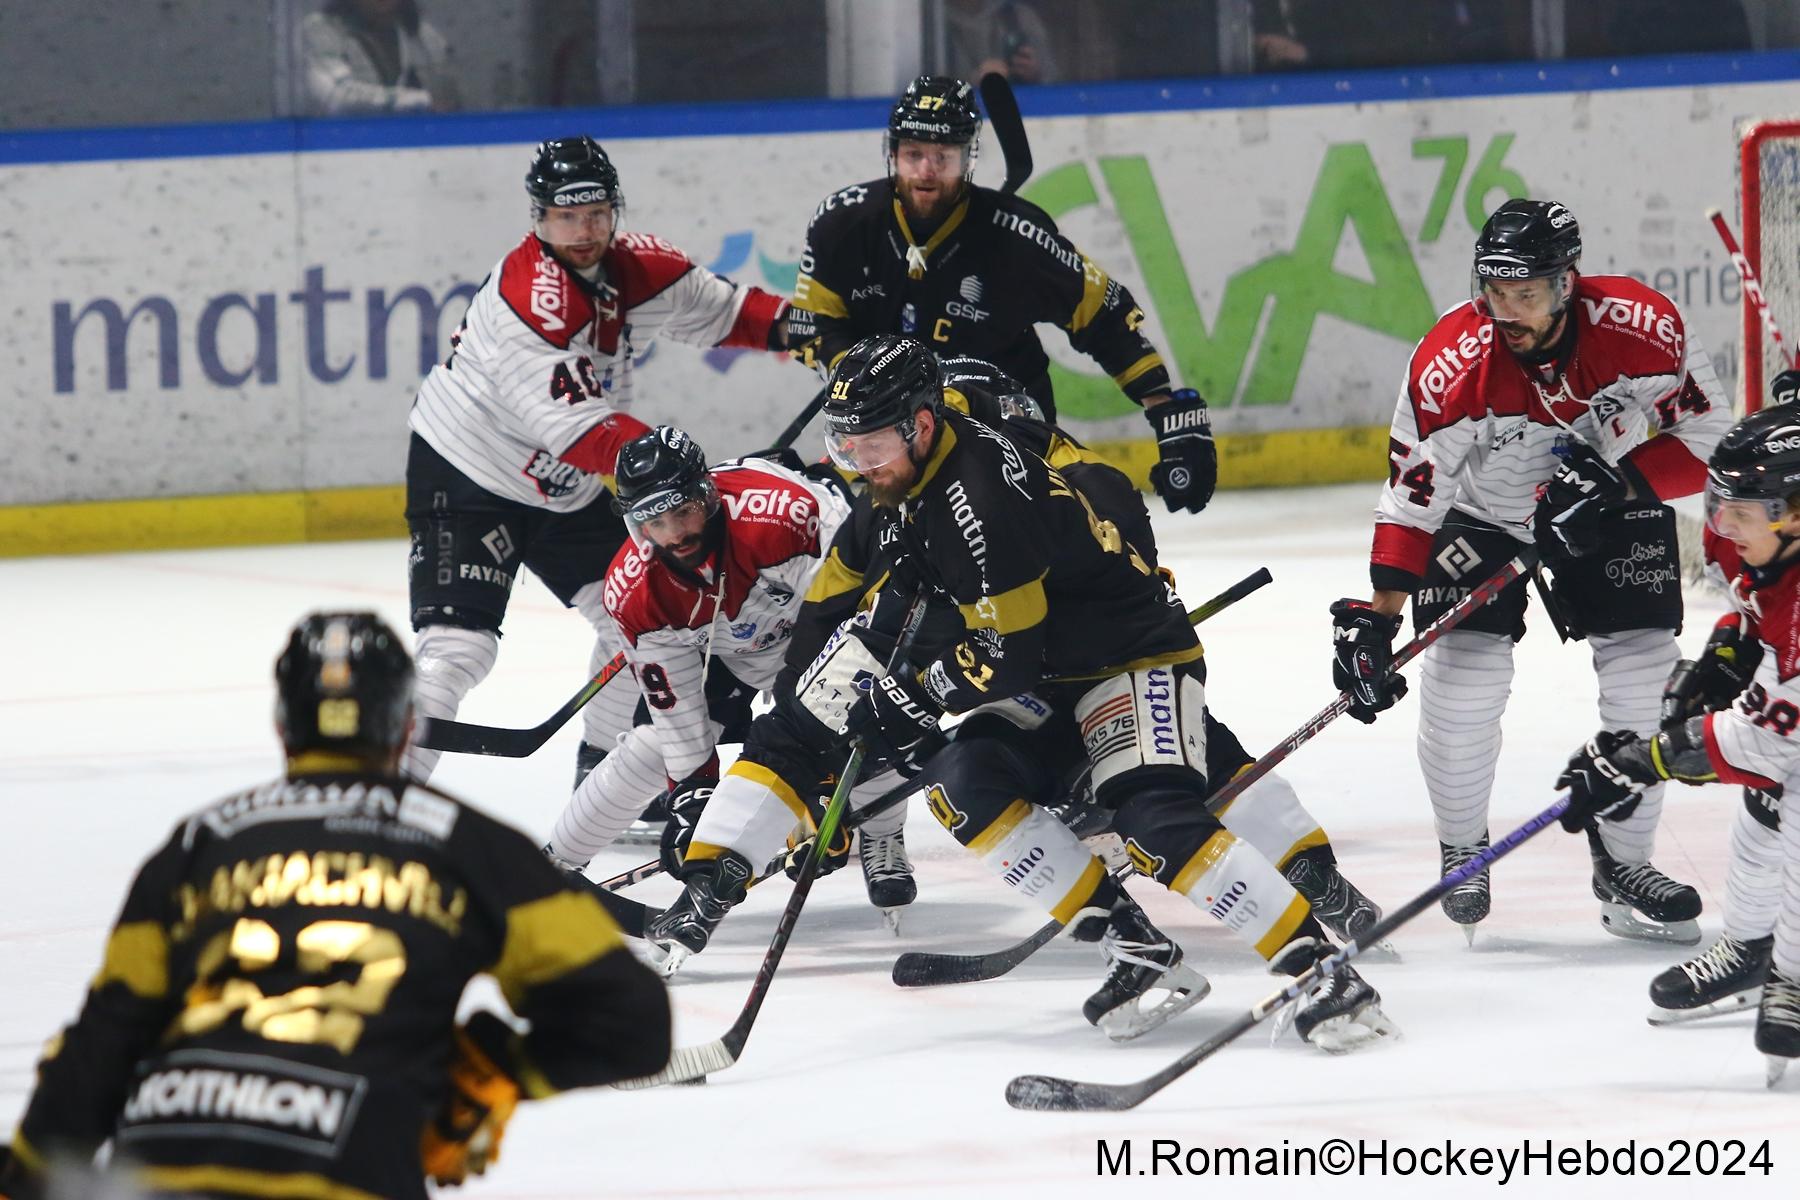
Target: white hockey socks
1464, 683
448, 661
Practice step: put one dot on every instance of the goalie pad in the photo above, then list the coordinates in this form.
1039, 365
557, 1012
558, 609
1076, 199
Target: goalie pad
1155, 718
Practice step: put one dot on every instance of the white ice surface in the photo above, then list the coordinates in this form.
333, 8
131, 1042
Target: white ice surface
136, 687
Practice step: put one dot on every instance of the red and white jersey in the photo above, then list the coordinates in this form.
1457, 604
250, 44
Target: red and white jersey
1477, 430
778, 526
1755, 742
534, 401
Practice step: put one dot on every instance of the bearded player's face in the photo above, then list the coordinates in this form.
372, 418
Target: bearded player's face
929, 177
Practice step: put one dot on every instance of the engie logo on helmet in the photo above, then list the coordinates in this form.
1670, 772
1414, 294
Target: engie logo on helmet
592, 195
1502, 270
1560, 216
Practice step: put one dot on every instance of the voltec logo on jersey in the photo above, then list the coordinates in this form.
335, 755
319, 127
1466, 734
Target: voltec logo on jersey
625, 575
1634, 314
1450, 363
247, 1096
773, 505
547, 300
554, 477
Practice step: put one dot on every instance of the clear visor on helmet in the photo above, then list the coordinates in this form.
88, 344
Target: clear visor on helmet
865, 452
1019, 404
674, 519
915, 160
1729, 517
1518, 299
576, 225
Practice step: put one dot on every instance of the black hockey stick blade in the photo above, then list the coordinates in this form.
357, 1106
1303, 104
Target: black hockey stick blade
917, 969
1009, 129
1230, 596
1047, 1093
460, 737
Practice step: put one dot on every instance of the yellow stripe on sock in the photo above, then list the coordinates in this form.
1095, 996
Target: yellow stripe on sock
1282, 932
985, 841
1081, 893
1205, 859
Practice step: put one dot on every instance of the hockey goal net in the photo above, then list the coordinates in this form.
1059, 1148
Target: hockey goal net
1769, 182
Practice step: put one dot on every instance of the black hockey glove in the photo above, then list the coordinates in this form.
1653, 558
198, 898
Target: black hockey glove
1785, 387
685, 802
900, 552
1606, 778
1711, 682
1189, 466
1583, 489
836, 855
894, 715
1362, 658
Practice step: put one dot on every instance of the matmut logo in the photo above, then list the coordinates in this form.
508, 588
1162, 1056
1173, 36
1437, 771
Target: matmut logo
1634, 314
1449, 364
547, 294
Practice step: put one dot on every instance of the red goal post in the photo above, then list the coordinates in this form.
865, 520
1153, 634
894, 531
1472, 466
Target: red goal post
1769, 184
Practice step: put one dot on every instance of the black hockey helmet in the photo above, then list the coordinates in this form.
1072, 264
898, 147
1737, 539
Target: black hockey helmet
1758, 460
936, 108
1527, 239
977, 377
657, 473
572, 170
880, 383
344, 682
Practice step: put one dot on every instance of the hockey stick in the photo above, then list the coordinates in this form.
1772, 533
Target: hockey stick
460, 737
927, 970
694, 1062
918, 968
1046, 1093
1009, 129
1752, 287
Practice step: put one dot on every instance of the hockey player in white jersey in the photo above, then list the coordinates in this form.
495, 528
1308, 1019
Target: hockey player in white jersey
1752, 498
1528, 412
516, 433
706, 596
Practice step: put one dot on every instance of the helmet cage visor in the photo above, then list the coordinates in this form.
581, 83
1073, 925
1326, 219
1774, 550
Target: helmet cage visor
666, 517
1509, 292
1746, 497
866, 450
576, 225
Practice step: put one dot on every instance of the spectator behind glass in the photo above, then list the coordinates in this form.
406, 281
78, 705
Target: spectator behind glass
375, 56
1010, 38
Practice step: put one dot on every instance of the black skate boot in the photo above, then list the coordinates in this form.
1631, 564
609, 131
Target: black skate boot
587, 757
1336, 901
1342, 1012
1142, 961
683, 929
1467, 902
887, 873
1638, 901
1778, 1023
1727, 978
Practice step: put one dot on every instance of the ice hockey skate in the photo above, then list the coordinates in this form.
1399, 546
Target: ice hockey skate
1778, 1023
1726, 978
1342, 1012
1638, 901
1467, 902
1338, 904
888, 874
683, 929
1142, 961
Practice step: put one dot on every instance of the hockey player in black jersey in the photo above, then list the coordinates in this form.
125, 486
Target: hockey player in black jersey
275, 1011
970, 270
1059, 613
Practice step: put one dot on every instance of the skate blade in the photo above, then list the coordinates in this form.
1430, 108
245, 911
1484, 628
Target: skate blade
1621, 920
1737, 1002
640, 834
1776, 1067
1185, 986
1353, 1031
891, 917
1469, 933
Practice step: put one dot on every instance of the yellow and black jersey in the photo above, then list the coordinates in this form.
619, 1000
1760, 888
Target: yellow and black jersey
976, 285
273, 1013
1045, 585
